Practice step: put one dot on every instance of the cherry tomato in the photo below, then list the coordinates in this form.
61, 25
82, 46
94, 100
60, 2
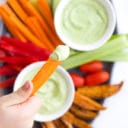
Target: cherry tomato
92, 66
77, 79
96, 78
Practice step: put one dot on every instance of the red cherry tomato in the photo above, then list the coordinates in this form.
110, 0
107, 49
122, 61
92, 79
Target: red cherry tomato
96, 78
92, 66
77, 79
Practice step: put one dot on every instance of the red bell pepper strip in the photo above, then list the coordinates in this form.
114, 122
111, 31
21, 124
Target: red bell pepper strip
7, 47
28, 47
2, 53
17, 60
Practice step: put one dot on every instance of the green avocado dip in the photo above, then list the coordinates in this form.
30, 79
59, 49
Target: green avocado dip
53, 93
84, 21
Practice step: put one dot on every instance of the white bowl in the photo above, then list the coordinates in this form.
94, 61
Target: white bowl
70, 88
86, 47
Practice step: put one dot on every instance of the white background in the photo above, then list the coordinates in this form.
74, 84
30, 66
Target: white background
116, 115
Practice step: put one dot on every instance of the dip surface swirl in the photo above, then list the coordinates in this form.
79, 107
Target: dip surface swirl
53, 93
84, 21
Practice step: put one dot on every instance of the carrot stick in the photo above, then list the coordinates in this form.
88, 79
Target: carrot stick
18, 9
11, 26
7, 9
44, 73
26, 32
20, 12
5, 12
46, 11
47, 14
20, 36
33, 12
23, 30
36, 29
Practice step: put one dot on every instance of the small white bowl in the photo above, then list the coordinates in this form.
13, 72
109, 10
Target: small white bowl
86, 47
70, 88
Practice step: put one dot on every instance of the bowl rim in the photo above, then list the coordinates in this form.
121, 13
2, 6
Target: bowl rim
71, 91
108, 33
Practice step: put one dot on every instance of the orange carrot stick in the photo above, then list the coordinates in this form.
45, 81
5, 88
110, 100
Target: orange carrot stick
28, 7
47, 14
20, 36
29, 21
36, 29
26, 32
19, 33
33, 12
46, 11
6, 8
44, 73
18, 9
11, 26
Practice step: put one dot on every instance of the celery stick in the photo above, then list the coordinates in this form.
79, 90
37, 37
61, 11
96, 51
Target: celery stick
121, 55
109, 48
54, 5
73, 52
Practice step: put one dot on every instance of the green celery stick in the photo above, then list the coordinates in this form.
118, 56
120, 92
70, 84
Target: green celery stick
112, 46
54, 5
121, 55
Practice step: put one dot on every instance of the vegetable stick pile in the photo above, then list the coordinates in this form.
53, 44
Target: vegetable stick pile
26, 23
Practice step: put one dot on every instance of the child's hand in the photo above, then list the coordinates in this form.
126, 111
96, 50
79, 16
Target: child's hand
17, 110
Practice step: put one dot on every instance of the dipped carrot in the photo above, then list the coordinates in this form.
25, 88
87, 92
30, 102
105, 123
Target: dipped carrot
60, 53
44, 73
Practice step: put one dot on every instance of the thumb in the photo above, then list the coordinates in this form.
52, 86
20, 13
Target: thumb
18, 96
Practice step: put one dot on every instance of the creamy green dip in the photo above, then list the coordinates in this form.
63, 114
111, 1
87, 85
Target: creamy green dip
61, 53
53, 93
84, 21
